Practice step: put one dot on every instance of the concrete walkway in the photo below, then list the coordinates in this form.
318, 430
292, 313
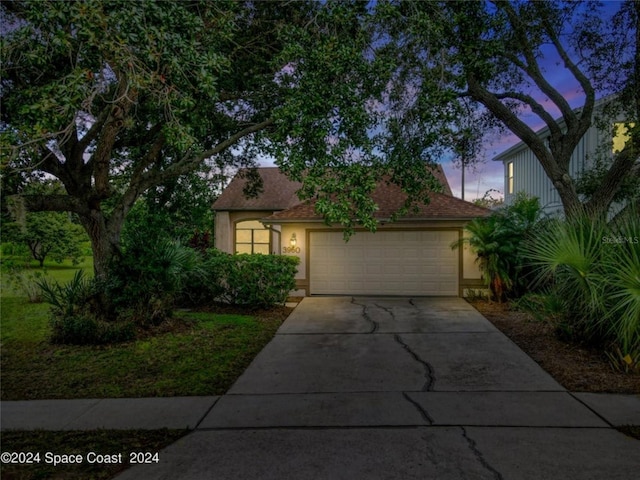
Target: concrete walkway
371, 388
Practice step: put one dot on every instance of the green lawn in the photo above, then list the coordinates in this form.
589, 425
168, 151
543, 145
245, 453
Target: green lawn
201, 354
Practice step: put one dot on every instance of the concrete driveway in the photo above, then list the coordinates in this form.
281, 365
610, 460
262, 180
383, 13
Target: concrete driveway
394, 388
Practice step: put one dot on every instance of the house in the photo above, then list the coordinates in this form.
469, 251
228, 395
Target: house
411, 256
523, 172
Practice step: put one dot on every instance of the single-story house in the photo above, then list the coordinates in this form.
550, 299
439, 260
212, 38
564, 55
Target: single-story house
411, 256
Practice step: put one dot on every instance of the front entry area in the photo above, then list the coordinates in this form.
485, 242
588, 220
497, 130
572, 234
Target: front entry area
402, 262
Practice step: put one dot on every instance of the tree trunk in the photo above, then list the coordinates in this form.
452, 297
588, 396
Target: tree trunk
570, 200
105, 239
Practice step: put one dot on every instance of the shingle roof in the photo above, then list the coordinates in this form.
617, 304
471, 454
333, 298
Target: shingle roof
279, 195
278, 192
390, 198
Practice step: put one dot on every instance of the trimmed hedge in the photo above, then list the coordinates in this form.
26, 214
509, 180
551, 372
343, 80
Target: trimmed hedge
252, 280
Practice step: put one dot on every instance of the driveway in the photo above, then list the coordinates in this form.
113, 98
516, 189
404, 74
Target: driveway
396, 388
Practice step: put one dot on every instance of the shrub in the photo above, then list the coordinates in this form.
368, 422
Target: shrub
251, 280
69, 298
595, 268
73, 321
260, 280
145, 282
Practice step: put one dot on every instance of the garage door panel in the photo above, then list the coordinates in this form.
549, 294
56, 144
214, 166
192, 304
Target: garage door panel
399, 263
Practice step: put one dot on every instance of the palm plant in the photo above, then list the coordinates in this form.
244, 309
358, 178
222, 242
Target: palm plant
623, 272
145, 282
484, 240
496, 242
595, 268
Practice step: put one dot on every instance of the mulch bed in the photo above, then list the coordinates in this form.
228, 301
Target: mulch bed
577, 368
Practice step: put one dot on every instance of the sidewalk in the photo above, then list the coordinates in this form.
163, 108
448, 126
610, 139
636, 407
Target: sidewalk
541, 409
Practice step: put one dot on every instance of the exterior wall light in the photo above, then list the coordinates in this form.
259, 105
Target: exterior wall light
293, 241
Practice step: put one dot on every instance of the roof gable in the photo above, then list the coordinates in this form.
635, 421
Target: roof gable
278, 192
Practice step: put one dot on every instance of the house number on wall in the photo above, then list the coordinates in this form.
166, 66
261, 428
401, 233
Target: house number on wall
290, 249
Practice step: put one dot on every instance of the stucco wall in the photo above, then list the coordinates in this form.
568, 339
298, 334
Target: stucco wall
281, 239
225, 229
469, 267
223, 234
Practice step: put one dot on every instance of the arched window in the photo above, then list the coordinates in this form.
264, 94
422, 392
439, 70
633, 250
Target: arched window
252, 237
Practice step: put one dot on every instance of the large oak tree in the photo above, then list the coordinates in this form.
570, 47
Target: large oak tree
116, 97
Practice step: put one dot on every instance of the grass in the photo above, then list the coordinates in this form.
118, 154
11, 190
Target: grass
107, 442
202, 356
200, 353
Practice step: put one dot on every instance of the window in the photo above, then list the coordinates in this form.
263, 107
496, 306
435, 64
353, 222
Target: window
252, 237
621, 135
510, 177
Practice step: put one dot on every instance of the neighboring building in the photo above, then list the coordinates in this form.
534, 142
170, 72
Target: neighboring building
523, 172
411, 256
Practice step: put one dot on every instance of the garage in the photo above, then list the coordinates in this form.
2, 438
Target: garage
404, 262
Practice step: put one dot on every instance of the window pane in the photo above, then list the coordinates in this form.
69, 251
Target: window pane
620, 136
261, 236
261, 248
243, 236
243, 248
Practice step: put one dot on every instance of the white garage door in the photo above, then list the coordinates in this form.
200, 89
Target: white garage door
384, 263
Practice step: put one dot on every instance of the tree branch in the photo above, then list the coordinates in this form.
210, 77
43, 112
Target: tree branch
533, 70
186, 164
94, 130
135, 184
568, 63
234, 139
102, 156
535, 108
615, 176
48, 203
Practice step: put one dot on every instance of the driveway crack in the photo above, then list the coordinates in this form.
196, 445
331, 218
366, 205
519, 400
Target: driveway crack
425, 415
388, 310
365, 315
430, 374
478, 454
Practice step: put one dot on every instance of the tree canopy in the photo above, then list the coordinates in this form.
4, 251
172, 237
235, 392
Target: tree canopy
493, 62
115, 98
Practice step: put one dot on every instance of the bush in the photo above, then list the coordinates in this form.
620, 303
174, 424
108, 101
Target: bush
594, 267
251, 280
73, 321
145, 282
260, 280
